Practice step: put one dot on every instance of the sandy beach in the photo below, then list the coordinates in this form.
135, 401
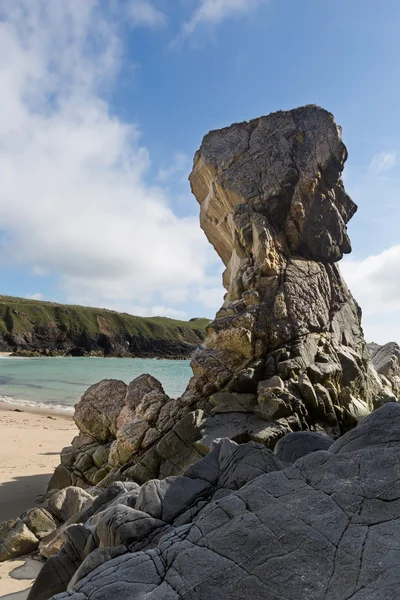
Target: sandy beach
17, 577
31, 442
30, 447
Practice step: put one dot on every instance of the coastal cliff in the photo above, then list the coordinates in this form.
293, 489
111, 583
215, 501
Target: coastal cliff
32, 327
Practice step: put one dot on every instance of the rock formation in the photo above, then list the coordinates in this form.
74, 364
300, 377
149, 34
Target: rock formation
274, 207
386, 360
242, 523
185, 498
286, 351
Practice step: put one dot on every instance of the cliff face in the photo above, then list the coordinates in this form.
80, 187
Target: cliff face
47, 328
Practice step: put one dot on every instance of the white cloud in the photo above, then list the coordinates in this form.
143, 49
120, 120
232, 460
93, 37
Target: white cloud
158, 311
375, 284
37, 296
211, 297
382, 162
167, 311
73, 196
215, 11
142, 13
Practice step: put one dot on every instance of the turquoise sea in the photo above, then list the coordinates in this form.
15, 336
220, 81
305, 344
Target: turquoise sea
60, 382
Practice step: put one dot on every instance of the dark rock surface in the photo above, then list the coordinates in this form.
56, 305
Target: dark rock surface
239, 524
295, 445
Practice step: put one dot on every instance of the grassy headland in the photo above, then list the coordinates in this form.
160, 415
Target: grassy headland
33, 326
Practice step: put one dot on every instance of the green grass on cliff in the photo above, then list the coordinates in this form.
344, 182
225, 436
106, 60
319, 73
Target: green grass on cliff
19, 315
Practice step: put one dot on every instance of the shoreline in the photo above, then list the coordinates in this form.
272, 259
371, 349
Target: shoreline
107, 356
45, 411
177, 357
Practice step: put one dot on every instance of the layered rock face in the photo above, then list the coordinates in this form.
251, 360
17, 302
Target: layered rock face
274, 207
313, 520
286, 351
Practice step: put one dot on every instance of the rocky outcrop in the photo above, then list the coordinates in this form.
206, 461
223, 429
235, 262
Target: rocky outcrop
386, 360
22, 536
274, 207
116, 423
286, 351
242, 523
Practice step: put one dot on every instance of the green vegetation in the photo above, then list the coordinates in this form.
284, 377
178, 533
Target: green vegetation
22, 316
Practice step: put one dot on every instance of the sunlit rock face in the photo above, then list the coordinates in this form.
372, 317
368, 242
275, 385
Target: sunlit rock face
273, 205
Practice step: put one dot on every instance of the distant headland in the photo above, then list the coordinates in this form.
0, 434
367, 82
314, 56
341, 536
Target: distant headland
38, 328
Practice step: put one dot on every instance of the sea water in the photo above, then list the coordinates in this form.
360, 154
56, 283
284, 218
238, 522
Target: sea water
60, 382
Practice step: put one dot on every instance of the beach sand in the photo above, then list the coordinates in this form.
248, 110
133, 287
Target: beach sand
30, 446
17, 577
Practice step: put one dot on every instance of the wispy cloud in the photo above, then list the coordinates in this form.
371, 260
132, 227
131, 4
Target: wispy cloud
37, 296
382, 162
213, 12
142, 13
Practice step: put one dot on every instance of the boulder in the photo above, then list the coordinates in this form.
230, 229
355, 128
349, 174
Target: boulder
116, 423
96, 414
16, 539
39, 521
386, 360
68, 502
300, 443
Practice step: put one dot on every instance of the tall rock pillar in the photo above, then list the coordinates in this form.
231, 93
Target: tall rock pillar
273, 205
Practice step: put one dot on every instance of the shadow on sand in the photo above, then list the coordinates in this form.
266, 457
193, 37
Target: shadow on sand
21, 493
16, 595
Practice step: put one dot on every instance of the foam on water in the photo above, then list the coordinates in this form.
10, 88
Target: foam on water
30, 404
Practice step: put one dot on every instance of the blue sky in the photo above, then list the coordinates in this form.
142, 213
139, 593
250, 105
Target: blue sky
104, 103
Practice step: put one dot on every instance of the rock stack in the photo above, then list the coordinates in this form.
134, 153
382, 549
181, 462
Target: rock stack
286, 351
